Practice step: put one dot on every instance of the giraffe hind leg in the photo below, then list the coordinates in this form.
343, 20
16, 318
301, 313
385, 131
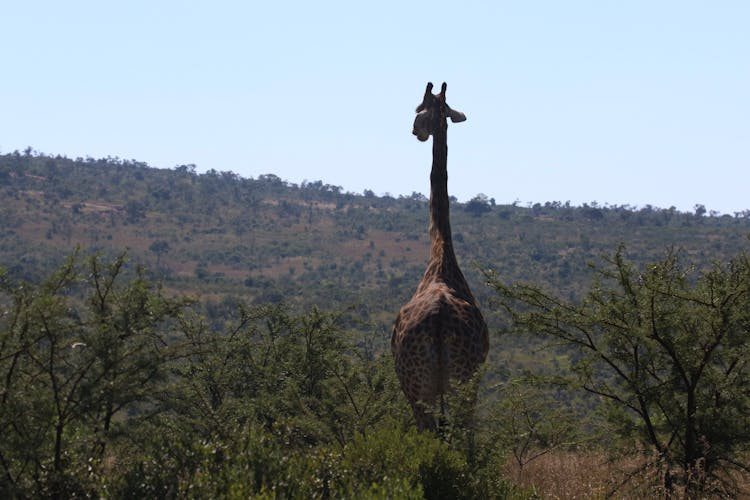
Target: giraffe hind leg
424, 417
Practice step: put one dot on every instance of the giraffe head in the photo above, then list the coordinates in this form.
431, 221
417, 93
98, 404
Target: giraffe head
432, 113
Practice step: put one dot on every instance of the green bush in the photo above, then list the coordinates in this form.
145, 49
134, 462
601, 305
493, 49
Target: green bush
110, 389
421, 458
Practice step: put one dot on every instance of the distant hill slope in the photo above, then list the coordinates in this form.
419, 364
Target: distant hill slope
224, 238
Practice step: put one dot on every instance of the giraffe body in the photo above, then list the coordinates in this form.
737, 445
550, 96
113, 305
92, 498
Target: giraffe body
440, 335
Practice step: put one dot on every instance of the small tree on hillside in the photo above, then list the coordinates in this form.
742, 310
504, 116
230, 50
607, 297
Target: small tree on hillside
667, 349
159, 247
478, 205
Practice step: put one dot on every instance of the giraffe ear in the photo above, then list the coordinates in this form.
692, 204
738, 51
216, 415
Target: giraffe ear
427, 95
456, 116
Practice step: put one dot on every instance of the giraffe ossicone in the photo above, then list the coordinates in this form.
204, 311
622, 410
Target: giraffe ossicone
440, 335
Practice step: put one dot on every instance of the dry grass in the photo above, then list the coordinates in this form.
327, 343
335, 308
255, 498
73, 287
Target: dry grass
566, 475
594, 475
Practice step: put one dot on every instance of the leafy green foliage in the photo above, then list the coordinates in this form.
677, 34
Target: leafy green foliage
666, 348
75, 352
109, 388
295, 374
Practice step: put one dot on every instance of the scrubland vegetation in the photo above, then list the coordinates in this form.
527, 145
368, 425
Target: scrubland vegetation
165, 334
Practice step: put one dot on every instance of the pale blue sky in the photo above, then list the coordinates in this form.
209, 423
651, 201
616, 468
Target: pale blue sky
619, 102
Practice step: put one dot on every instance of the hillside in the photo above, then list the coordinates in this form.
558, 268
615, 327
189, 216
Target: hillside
277, 380
223, 238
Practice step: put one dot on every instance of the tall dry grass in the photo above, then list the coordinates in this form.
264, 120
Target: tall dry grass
596, 475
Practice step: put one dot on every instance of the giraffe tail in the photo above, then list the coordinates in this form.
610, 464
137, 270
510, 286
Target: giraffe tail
441, 420
442, 374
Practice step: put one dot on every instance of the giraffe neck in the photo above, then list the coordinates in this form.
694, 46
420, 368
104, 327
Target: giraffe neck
440, 226
442, 265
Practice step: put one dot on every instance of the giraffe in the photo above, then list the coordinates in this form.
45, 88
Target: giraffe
440, 334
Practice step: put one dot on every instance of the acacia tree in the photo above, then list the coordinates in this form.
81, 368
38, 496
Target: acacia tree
667, 349
75, 350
